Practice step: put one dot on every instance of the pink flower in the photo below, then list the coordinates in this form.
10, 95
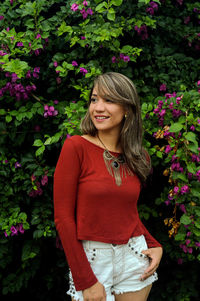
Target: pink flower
184, 189
197, 244
13, 230
176, 189
20, 228
44, 180
188, 234
198, 83
74, 7
114, 60
1, 18
83, 70
182, 208
180, 261
126, 58
74, 63
187, 242
192, 128
55, 64
38, 36
85, 3
168, 149
84, 13
82, 38
89, 11
163, 87
20, 44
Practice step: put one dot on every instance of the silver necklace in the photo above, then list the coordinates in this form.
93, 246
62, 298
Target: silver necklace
116, 166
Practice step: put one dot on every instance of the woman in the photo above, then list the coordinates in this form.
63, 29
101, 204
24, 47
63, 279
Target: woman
97, 183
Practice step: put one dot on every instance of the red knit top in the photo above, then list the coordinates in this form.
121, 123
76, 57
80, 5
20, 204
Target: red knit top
89, 205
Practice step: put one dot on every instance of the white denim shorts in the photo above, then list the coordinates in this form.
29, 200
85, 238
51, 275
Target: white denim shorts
117, 267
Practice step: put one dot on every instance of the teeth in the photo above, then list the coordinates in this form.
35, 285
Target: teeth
101, 117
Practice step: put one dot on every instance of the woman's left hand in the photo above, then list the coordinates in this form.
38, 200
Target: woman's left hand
155, 255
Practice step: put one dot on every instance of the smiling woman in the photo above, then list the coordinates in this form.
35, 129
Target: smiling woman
97, 183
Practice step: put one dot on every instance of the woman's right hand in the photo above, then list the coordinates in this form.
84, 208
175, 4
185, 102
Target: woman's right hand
95, 293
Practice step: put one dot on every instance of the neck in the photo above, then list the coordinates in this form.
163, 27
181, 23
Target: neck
110, 140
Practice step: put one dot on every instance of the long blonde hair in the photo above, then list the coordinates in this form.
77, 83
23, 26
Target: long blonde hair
120, 89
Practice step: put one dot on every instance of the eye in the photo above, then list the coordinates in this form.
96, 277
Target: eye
110, 101
93, 100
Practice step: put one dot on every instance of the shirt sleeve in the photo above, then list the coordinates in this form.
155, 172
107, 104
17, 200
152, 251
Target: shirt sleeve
66, 178
151, 241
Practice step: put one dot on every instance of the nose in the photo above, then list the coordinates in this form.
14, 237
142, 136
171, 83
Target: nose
100, 106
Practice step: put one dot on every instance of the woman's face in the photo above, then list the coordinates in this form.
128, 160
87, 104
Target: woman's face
105, 115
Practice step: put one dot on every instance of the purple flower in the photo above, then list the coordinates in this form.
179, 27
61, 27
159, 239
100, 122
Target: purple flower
184, 189
38, 36
82, 37
114, 60
187, 20
163, 87
187, 242
20, 228
167, 202
182, 208
126, 58
83, 70
198, 83
44, 180
74, 7
180, 261
55, 64
197, 244
74, 63
84, 13
168, 149
13, 230
1, 18
85, 3
20, 44
176, 189
188, 234
17, 164
192, 128
89, 11
150, 10
56, 101
190, 250
154, 5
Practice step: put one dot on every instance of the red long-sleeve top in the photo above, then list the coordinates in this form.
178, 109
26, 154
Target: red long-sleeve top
88, 205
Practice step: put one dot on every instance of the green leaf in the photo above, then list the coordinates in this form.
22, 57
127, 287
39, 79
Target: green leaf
190, 136
180, 236
116, 2
37, 142
111, 16
176, 127
40, 151
100, 6
185, 220
8, 118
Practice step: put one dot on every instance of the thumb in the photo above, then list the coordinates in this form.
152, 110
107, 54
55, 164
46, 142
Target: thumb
146, 252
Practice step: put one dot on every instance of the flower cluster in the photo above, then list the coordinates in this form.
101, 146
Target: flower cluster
49, 111
121, 57
160, 112
84, 12
37, 190
15, 89
152, 8
142, 31
15, 230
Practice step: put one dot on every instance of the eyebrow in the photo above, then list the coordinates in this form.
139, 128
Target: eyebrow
94, 94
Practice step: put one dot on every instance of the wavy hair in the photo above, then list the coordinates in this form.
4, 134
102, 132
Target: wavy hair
120, 89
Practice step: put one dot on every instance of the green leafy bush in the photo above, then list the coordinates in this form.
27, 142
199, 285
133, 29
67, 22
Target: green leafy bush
50, 53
